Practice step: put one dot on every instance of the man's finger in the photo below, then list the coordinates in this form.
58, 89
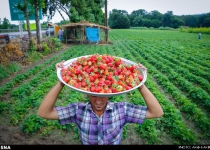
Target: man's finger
141, 66
60, 65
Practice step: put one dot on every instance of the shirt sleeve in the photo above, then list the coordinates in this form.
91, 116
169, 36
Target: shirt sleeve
67, 114
135, 113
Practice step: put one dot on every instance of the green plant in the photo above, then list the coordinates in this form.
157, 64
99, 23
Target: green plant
33, 56
8, 70
46, 48
32, 124
4, 107
33, 46
55, 43
46, 131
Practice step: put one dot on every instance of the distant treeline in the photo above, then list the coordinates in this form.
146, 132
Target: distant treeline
119, 19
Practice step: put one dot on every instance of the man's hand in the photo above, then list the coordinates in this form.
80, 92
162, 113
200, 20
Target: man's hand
142, 67
59, 65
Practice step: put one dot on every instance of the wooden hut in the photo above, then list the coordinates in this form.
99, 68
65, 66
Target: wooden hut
85, 33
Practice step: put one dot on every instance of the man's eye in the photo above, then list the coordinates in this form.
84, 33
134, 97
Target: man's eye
93, 97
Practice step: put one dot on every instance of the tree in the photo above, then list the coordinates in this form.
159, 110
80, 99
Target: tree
118, 19
51, 6
206, 22
203, 20
156, 15
167, 19
61, 6
122, 22
136, 17
5, 24
156, 23
24, 8
147, 22
97, 15
140, 12
138, 22
75, 16
89, 10
82, 9
177, 22
191, 20
37, 4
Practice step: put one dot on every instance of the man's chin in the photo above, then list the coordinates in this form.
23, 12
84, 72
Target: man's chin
99, 108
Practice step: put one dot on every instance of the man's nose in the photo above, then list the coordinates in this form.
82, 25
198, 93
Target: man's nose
98, 99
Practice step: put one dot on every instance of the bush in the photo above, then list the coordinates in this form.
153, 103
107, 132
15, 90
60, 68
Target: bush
11, 52
196, 30
32, 124
165, 28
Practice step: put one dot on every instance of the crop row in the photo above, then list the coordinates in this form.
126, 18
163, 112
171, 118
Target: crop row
17, 80
190, 56
181, 133
192, 111
197, 67
177, 66
198, 95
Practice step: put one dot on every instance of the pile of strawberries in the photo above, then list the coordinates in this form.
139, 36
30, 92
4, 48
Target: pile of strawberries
101, 74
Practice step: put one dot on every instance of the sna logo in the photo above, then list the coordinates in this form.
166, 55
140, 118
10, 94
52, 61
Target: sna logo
5, 147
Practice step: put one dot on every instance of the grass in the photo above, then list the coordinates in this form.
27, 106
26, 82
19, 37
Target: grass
6, 71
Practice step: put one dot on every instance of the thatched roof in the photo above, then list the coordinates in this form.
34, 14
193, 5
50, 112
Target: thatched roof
84, 23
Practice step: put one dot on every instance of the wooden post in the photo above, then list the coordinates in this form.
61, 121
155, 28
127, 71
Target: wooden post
106, 23
66, 35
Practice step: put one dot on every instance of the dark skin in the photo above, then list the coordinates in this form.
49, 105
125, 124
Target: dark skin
47, 110
98, 104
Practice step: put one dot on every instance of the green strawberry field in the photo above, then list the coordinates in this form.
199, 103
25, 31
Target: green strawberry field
178, 75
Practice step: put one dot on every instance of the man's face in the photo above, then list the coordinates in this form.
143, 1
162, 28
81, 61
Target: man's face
98, 103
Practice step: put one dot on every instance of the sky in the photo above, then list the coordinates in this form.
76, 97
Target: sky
178, 7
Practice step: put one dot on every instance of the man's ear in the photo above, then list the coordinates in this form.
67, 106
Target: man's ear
88, 96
